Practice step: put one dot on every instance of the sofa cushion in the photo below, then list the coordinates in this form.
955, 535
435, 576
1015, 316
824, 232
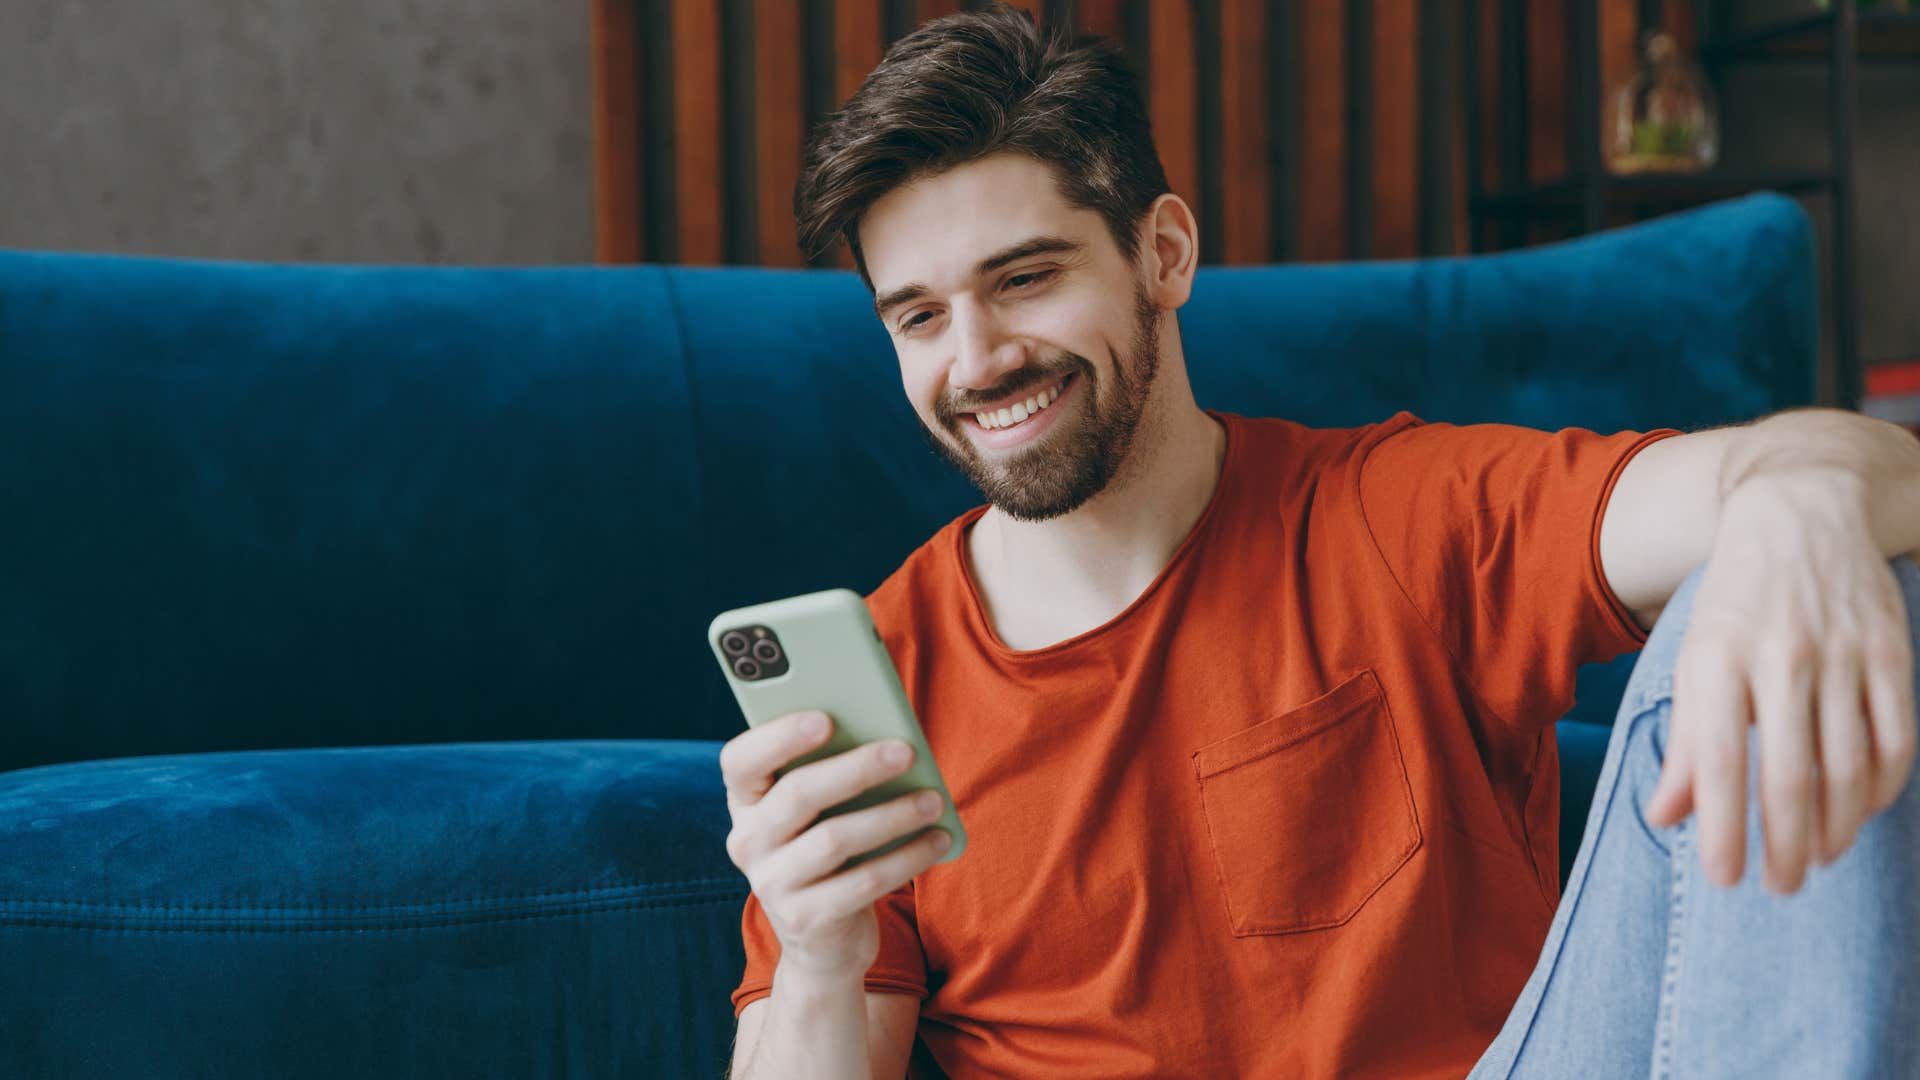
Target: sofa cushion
501, 909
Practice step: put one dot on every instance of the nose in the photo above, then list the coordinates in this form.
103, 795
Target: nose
984, 354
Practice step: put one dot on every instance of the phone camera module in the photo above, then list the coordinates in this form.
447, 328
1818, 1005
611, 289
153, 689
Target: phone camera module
753, 653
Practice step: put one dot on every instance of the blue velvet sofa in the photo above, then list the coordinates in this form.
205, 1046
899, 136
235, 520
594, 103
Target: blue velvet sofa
355, 716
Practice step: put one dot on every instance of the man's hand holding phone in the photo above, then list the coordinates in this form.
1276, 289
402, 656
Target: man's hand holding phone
793, 858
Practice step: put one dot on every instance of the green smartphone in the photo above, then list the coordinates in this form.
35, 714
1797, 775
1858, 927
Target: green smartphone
821, 651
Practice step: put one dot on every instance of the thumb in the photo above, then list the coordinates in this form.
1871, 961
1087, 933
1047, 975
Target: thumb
1672, 798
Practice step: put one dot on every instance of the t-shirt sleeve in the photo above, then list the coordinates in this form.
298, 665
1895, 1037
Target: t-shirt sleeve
1493, 533
901, 967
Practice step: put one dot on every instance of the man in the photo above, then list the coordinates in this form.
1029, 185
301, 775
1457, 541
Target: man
1252, 724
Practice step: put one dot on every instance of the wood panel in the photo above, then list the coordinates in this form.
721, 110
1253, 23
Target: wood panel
1320, 157
1108, 18
779, 103
1323, 160
1246, 186
1172, 99
699, 185
1683, 21
1396, 132
1619, 51
858, 33
1488, 37
1462, 167
1547, 90
616, 131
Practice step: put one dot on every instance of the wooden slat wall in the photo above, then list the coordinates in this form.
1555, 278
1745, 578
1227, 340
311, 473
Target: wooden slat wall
1245, 130
698, 150
858, 36
616, 131
1172, 97
1547, 96
1396, 127
1322, 160
780, 95
1353, 149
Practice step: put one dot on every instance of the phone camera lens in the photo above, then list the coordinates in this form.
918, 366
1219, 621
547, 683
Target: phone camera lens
766, 651
746, 668
734, 642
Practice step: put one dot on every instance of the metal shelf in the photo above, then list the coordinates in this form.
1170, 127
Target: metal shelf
1882, 35
1840, 38
1647, 191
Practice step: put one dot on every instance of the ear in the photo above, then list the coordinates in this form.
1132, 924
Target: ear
1170, 250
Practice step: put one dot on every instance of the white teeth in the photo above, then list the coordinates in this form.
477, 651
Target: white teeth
1005, 417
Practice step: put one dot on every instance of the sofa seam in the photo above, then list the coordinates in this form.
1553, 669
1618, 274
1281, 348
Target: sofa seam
695, 448
7, 904
134, 927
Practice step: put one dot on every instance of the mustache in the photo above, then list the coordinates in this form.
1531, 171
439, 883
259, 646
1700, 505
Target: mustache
1033, 379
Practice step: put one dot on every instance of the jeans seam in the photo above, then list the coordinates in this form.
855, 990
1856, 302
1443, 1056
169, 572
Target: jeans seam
1646, 697
1664, 1022
1574, 898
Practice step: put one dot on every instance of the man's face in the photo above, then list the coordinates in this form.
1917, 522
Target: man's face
1000, 296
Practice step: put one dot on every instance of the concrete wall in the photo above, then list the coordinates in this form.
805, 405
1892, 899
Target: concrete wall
388, 131
446, 132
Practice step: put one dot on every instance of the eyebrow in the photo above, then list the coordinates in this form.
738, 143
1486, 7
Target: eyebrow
1038, 245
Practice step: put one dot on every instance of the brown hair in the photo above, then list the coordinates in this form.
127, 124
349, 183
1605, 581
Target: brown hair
966, 86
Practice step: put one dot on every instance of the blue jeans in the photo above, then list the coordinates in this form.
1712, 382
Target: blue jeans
1649, 969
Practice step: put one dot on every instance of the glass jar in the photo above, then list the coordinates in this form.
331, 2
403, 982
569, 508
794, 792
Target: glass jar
1663, 118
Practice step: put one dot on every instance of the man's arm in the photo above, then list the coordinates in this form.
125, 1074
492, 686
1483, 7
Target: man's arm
1665, 509
812, 1028
1798, 632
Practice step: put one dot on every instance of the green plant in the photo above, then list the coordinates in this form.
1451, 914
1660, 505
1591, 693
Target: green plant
1663, 140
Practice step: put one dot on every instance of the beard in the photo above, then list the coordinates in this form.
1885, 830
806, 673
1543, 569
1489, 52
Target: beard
1075, 459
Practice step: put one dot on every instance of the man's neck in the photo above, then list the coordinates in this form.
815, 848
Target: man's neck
1047, 581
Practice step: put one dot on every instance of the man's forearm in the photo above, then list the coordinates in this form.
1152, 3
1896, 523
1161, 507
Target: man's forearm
1878, 461
816, 1027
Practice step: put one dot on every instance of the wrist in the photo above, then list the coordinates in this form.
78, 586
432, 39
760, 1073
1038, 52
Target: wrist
1811, 508
799, 979
1760, 478
1843, 470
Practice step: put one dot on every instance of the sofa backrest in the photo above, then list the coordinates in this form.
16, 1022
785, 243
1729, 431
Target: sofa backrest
252, 505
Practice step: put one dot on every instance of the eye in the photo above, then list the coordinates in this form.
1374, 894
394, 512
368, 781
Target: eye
913, 324
1032, 276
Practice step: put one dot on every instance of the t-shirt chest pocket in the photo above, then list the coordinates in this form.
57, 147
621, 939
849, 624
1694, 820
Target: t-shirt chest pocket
1309, 812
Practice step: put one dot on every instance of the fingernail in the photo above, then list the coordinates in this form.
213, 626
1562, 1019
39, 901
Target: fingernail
926, 802
814, 726
896, 753
941, 841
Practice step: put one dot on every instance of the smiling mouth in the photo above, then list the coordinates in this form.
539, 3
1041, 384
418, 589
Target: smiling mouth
1020, 412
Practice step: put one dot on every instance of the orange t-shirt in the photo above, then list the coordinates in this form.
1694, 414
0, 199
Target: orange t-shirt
1294, 811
